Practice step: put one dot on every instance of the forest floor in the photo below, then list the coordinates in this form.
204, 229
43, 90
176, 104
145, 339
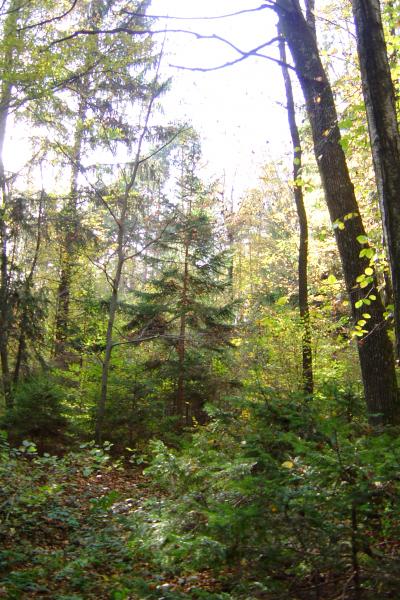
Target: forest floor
80, 527
79, 547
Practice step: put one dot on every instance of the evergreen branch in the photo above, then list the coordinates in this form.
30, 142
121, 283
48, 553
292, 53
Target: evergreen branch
82, 170
51, 20
140, 339
115, 30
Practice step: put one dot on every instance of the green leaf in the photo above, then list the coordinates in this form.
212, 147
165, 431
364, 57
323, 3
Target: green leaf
344, 142
369, 271
359, 303
367, 252
362, 239
331, 279
338, 224
345, 123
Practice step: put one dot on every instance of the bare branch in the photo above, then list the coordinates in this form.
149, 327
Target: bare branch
243, 55
150, 242
160, 148
214, 18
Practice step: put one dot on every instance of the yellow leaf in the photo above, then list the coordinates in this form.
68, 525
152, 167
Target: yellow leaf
288, 464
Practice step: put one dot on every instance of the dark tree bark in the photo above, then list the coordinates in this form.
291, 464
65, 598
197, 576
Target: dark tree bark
307, 376
374, 348
310, 15
379, 96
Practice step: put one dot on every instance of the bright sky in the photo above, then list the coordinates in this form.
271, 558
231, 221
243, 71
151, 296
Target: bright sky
238, 110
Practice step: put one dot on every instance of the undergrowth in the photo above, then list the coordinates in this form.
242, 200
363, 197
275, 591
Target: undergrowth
272, 499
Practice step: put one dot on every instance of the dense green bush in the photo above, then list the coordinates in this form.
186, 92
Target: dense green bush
284, 496
39, 414
274, 498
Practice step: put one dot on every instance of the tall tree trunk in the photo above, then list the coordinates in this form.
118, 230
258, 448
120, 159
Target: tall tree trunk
374, 348
392, 12
9, 31
228, 214
379, 96
68, 250
112, 311
121, 259
180, 400
22, 346
95, 13
307, 371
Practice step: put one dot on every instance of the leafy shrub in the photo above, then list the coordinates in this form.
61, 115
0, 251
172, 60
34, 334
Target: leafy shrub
284, 494
38, 414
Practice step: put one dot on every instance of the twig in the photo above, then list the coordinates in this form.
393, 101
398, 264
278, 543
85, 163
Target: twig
213, 18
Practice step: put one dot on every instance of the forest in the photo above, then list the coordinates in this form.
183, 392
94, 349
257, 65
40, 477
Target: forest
199, 388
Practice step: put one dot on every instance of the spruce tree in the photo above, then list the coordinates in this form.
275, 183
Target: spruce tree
184, 305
